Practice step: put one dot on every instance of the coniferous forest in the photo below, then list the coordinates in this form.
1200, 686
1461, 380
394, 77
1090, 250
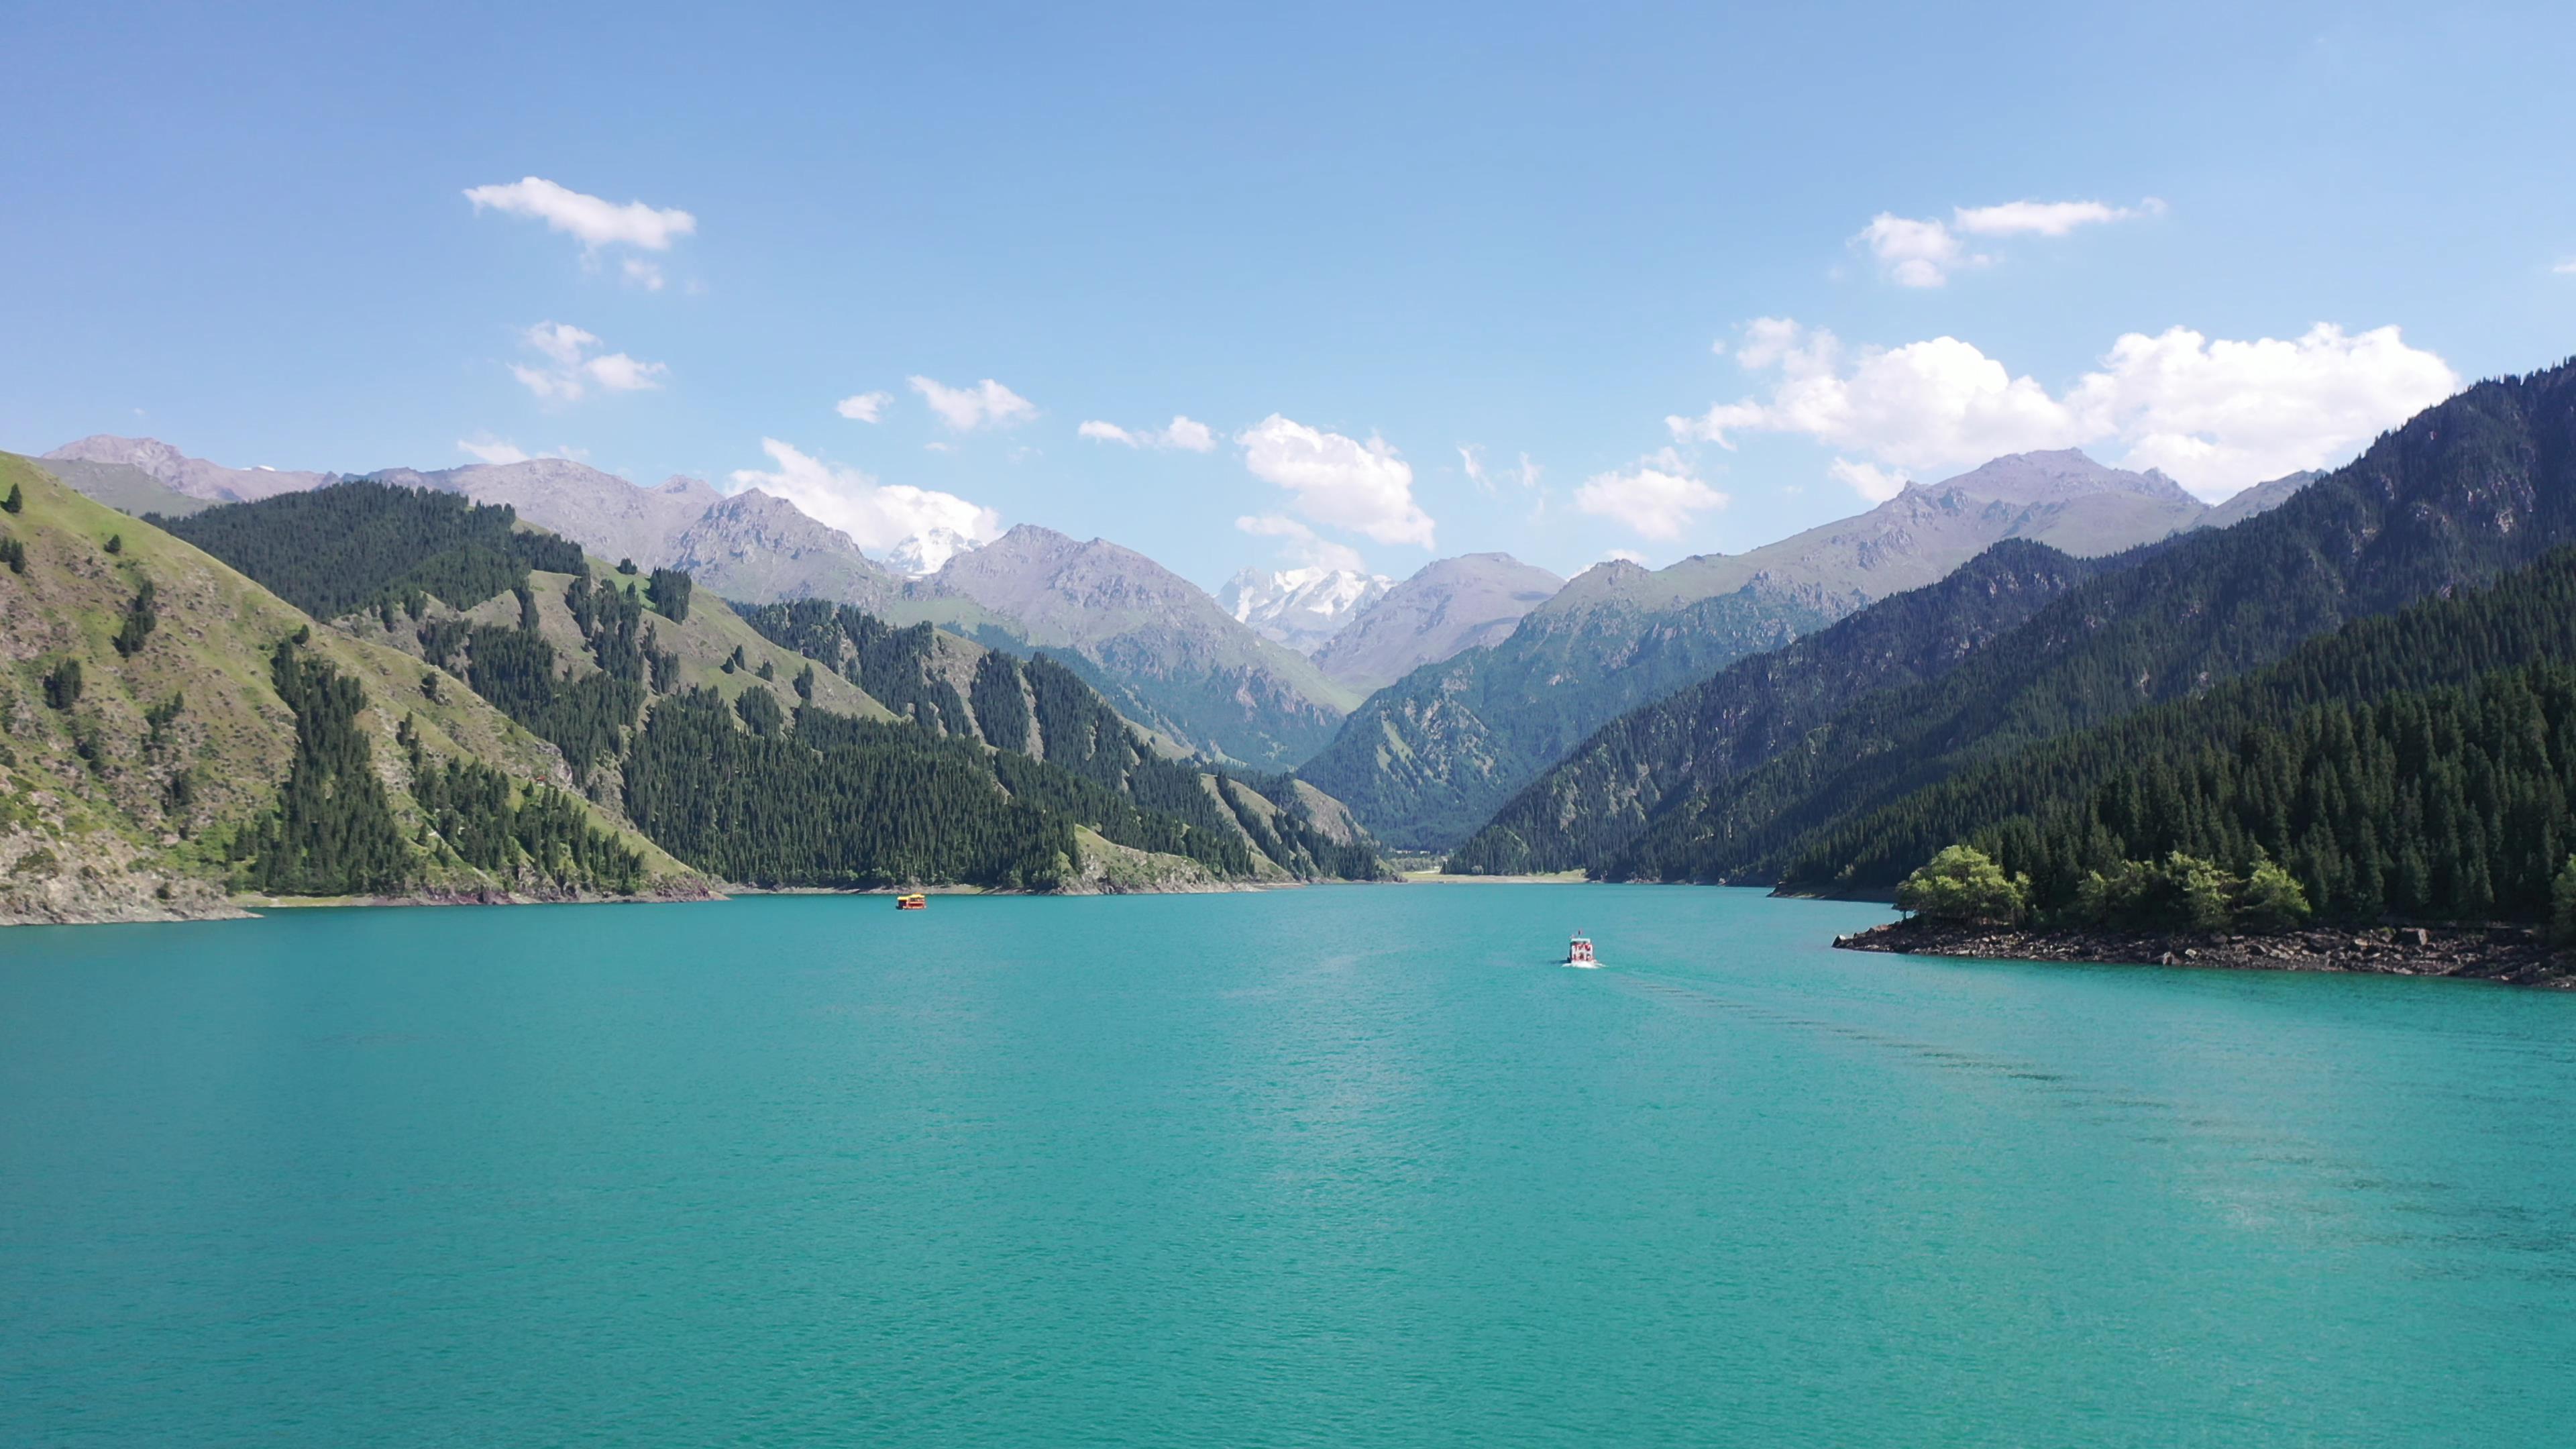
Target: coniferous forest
2094, 733
352, 545
987, 792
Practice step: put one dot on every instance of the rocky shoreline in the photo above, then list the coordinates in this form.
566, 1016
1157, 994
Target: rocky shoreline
2505, 954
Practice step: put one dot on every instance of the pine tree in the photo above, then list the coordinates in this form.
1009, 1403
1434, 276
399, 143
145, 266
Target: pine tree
16, 502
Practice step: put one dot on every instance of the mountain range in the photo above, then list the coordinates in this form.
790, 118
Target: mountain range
370, 689
1936, 727
1432, 756
1467, 678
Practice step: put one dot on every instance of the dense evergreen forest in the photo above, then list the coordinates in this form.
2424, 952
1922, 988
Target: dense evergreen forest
333, 832
743, 791
1039, 708
354, 545
2468, 490
1583, 813
479, 817
835, 802
2420, 763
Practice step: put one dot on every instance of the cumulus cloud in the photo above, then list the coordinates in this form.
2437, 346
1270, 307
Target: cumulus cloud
866, 407
642, 273
1925, 252
1916, 253
987, 404
1337, 481
571, 368
2217, 415
1303, 544
1657, 497
878, 516
2566, 268
1186, 434
594, 222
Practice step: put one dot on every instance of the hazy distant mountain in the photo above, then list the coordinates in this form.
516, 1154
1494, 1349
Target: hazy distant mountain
2261, 498
193, 476
1432, 756
758, 548
1453, 605
1154, 642
125, 488
750, 546
1301, 608
602, 512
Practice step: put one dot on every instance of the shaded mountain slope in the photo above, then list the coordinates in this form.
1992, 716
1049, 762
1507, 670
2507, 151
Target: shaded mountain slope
2466, 490
2422, 762
1587, 808
1431, 757
1157, 644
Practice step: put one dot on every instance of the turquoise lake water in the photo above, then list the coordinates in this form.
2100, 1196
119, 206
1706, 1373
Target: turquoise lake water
1340, 1166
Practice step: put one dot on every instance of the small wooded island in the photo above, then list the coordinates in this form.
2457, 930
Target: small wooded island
2186, 911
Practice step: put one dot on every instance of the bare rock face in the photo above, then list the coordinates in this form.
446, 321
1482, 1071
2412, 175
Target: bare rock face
194, 477
759, 549
1156, 644
600, 511
1449, 607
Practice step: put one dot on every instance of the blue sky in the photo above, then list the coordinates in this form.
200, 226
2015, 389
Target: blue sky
1345, 240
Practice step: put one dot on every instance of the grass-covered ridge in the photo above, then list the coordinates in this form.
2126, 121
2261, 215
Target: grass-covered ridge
130, 796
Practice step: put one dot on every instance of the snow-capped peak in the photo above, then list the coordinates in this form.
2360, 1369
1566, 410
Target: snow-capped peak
1301, 608
928, 551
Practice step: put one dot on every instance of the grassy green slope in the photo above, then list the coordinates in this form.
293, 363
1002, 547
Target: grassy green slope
93, 821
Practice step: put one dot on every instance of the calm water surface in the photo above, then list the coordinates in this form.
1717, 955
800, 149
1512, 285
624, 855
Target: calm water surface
1342, 1166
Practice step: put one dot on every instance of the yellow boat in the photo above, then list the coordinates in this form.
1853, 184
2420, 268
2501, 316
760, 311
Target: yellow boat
914, 902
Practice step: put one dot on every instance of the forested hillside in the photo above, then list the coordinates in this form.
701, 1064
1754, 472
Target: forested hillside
753, 748
1583, 813
1039, 708
2422, 763
1432, 757
172, 733
2466, 491
351, 545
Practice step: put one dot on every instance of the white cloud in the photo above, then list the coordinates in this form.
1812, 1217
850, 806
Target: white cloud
2045, 218
1303, 544
986, 404
866, 407
1624, 555
595, 222
2566, 268
560, 341
1916, 253
877, 515
1867, 479
571, 369
1338, 482
642, 273
2216, 415
1925, 252
1656, 498
1185, 434
1472, 458
491, 450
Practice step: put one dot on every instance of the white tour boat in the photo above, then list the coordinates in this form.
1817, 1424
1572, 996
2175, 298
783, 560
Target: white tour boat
1578, 953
